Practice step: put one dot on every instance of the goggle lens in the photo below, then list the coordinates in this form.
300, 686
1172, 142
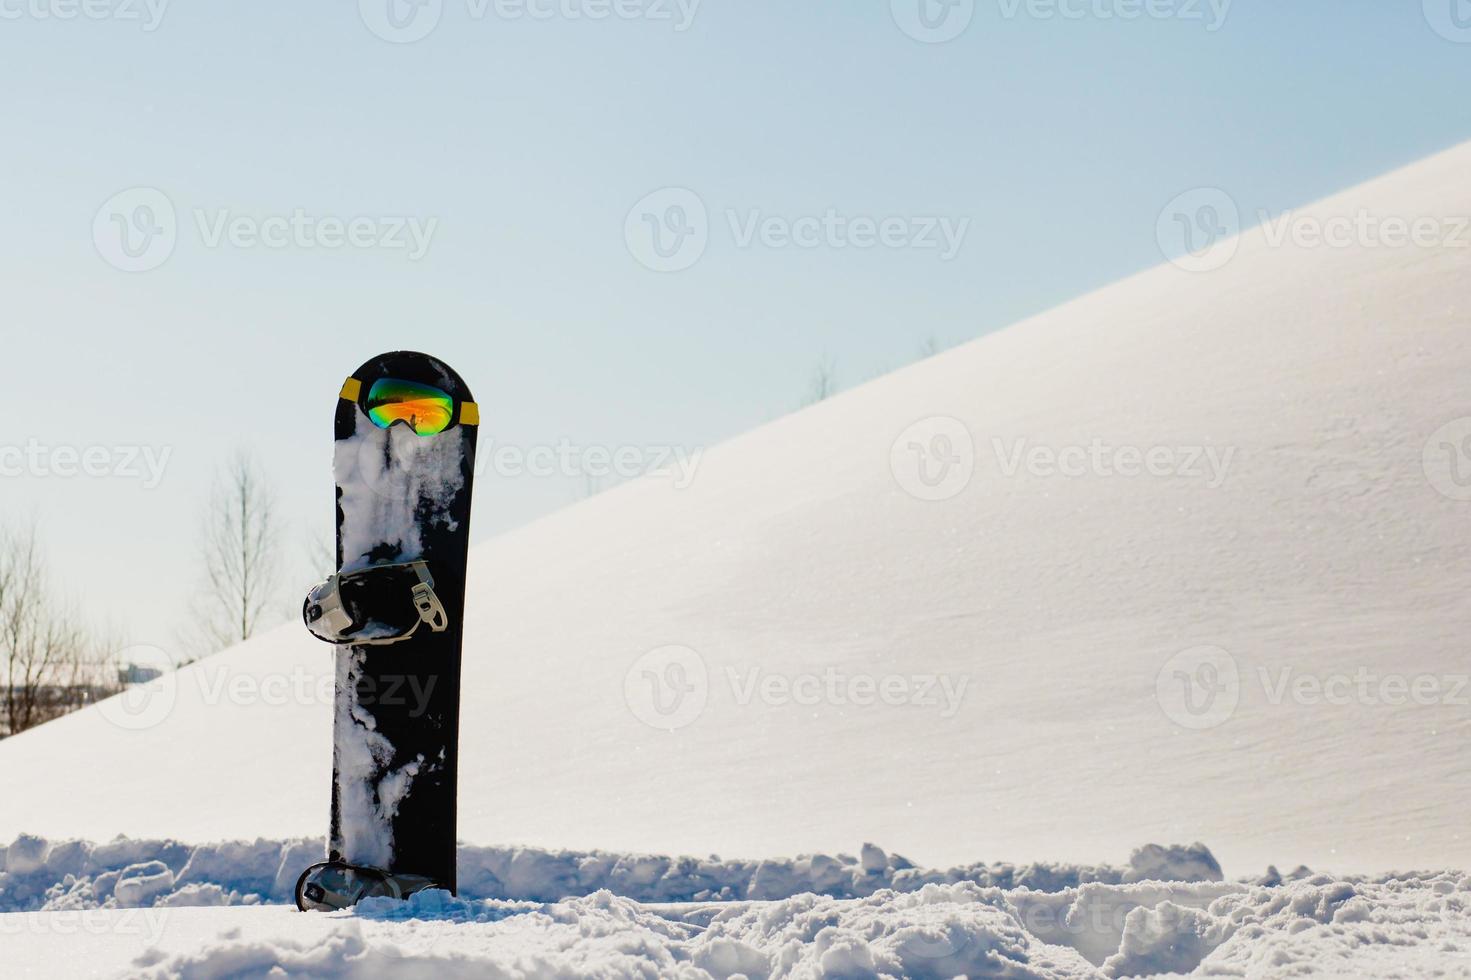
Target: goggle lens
425, 408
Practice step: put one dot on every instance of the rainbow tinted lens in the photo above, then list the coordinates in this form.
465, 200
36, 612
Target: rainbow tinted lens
425, 408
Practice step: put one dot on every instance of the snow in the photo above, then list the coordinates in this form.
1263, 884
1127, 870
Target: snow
888, 618
74, 874
1068, 922
391, 480
370, 792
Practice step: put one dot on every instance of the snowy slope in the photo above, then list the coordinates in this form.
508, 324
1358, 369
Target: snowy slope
1050, 610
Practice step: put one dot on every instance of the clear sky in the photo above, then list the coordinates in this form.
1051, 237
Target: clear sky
519, 138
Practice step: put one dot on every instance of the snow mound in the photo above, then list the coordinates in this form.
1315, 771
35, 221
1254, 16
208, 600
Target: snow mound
124, 873
1413, 926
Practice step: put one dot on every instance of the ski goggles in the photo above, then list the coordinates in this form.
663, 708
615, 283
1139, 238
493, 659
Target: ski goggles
333, 886
424, 408
374, 606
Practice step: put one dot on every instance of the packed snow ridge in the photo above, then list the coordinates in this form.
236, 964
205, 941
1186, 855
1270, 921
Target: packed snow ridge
41, 875
1411, 927
525, 912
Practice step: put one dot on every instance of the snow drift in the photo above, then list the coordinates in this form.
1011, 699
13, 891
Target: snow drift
41, 875
153, 908
1184, 559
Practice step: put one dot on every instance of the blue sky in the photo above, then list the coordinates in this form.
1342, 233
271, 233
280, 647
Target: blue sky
520, 145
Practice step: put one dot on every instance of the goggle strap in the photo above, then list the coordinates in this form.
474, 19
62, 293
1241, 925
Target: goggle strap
351, 389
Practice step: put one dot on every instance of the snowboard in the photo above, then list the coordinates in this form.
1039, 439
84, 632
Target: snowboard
402, 497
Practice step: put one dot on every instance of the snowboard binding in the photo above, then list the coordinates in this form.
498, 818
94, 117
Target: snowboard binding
335, 885
375, 606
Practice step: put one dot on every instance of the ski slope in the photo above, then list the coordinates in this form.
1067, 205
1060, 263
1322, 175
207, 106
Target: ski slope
1031, 631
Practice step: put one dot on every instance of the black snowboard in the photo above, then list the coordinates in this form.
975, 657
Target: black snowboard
401, 497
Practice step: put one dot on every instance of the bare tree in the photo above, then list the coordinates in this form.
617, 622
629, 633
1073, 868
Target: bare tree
321, 555
824, 382
29, 640
240, 551
52, 665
